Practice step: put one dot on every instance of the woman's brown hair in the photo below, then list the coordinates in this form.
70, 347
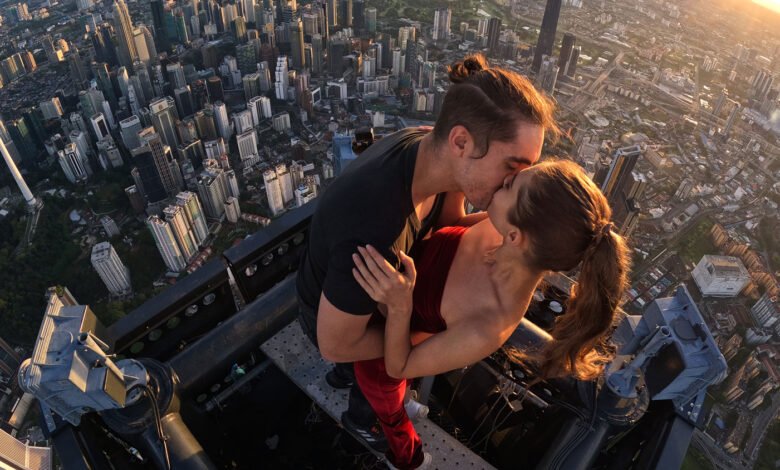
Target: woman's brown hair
567, 220
490, 102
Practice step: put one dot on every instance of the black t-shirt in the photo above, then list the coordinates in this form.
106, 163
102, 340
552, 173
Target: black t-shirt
369, 203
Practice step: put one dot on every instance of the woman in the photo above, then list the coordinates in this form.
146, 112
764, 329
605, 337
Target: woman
475, 285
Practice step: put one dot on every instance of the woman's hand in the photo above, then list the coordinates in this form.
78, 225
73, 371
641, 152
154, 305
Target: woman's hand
383, 282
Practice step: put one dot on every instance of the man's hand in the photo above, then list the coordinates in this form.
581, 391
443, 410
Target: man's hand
382, 282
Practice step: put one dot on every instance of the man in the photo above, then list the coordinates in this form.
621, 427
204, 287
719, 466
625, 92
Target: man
492, 124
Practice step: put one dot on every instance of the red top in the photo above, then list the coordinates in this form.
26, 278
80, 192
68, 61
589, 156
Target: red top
433, 262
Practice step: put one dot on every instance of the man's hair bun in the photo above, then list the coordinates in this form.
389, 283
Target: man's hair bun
461, 71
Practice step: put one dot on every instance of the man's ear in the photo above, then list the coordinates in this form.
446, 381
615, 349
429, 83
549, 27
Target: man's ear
460, 140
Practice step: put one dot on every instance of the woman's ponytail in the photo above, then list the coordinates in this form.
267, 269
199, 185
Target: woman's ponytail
579, 345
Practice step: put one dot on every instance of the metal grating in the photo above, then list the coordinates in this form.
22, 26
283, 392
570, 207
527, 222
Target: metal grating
294, 354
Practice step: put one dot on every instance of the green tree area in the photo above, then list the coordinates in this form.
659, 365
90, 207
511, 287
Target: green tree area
54, 258
697, 242
695, 460
770, 449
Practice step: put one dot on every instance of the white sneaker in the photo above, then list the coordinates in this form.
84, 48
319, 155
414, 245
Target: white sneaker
426, 463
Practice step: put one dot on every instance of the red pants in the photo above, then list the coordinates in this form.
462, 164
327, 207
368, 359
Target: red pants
386, 396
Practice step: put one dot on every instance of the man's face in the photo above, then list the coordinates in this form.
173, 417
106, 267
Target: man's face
480, 178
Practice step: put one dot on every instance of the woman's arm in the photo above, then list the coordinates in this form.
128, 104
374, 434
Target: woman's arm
460, 345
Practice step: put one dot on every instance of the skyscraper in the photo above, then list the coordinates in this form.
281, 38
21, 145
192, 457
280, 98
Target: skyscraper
282, 78
163, 113
273, 191
544, 45
547, 75
158, 20
194, 213
619, 174
567, 48
224, 127
442, 18
165, 166
296, 45
110, 268
123, 25
493, 32
571, 67
166, 243
213, 189
182, 231
285, 183
74, 163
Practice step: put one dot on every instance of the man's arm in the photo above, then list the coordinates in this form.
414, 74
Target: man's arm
453, 212
344, 337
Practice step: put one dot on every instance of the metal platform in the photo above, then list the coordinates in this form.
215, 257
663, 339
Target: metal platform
294, 354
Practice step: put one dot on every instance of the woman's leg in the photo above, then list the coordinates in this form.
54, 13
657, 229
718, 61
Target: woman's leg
386, 396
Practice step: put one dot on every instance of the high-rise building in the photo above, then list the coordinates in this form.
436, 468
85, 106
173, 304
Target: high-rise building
182, 231
99, 126
111, 228
232, 210
280, 121
193, 211
164, 163
213, 189
282, 82
492, 32
345, 13
247, 148
546, 41
51, 108
619, 173
442, 17
547, 76
74, 163
567, 48
185, 105
110, 268
166, 244
129, 129
285, 183
158, 20
123, 25
224, 127
251, 84
625, 211
136, 199
176, 75
766, 311
571, 66
296, 45
371, 20
163, 114
273, 191
214, 86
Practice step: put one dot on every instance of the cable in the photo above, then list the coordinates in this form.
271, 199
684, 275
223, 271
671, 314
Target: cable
158, 424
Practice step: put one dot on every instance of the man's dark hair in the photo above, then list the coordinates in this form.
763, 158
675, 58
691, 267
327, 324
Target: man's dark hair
490, 102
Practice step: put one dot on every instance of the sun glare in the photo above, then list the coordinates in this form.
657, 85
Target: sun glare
771, 4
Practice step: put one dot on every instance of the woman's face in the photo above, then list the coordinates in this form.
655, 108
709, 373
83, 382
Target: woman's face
505, 199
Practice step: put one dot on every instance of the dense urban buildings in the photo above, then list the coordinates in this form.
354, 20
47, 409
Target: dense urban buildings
177, 130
